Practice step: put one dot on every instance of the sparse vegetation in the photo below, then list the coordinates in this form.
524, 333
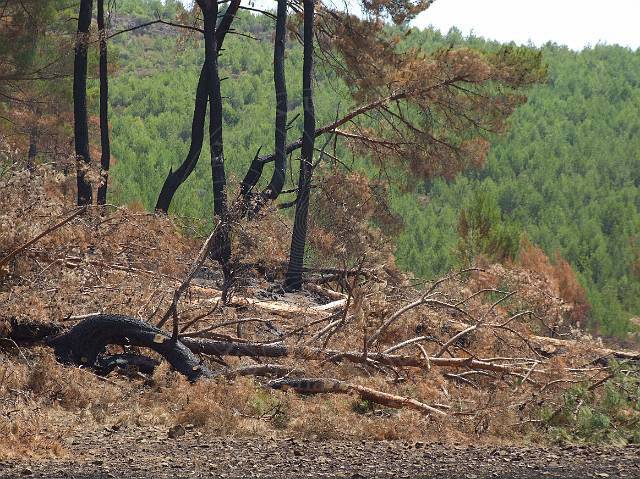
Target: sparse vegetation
608, 413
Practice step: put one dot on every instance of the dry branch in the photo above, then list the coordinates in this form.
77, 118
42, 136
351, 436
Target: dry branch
258, 370
49, 230
550, 346
197, 264
322, 385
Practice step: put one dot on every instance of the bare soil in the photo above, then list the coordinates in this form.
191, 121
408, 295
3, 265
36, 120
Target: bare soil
138, 454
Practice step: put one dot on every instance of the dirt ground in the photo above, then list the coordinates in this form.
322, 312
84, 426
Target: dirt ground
138, 454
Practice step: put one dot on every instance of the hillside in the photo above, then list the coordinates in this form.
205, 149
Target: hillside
408, 327
483, 357
566, 175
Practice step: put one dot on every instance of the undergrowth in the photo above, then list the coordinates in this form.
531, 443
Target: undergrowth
606, 414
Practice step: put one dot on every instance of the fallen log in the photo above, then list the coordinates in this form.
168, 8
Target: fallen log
27, 331
276, 350
335, 386
86, 340
553, 346
281, 308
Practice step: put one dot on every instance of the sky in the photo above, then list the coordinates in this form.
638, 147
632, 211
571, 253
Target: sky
575, 23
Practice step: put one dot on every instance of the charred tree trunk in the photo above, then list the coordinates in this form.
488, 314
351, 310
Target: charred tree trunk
80, 116
221, 250
175, 179
86, 342
280, 156
105, 155
293, 279
277, 180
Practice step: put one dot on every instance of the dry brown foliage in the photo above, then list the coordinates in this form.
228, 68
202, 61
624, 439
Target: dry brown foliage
426, 113
129, 262
561, 276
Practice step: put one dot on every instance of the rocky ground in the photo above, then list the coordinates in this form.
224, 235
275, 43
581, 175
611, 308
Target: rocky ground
153, 454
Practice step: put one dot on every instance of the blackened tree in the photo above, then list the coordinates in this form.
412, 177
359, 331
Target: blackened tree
293, 279
105, 154
80, 115
176, 178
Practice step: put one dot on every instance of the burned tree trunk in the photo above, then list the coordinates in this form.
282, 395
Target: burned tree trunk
222, 246
175, 179
80, 116
105, 155
277, 180
299, 237
272, 191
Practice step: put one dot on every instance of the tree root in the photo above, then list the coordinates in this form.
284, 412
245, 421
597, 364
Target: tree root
87, 340
106, 364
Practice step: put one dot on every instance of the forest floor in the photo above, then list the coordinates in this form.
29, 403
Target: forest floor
144, 453
368, 372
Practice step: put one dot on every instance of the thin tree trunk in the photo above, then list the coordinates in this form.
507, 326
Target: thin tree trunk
293, 279
105, 155
80, 117
272, 191
222, 245
33, 146
280, 167
175, 179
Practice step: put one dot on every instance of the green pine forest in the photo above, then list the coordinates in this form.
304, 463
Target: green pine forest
566, 175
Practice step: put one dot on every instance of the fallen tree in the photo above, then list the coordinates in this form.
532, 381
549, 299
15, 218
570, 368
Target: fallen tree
86, 341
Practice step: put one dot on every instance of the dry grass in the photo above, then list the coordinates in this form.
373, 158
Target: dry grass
129, 262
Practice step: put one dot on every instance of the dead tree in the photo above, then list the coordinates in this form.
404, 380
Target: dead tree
222, 246
427, 114
299, 236
105, 155
80, 116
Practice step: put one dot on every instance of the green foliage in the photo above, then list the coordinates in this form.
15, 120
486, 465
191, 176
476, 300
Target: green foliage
483, 231
567, 173
362, 406
145, 10
609, 413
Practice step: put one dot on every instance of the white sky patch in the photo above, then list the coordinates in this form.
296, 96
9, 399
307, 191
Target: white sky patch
574, 23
